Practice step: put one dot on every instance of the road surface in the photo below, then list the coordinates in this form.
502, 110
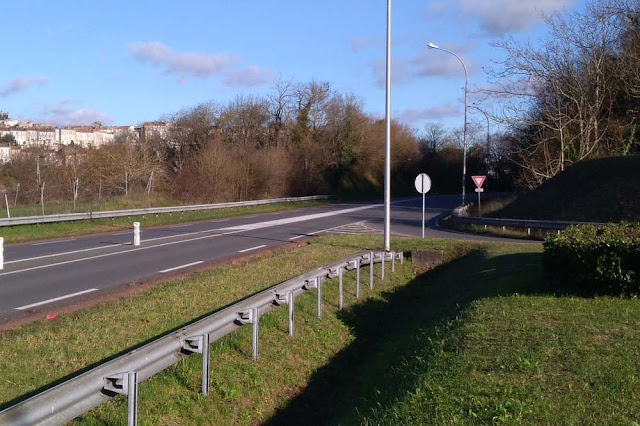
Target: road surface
40, 276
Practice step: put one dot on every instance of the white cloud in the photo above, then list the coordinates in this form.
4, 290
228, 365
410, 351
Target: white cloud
21, 84
413, 116
503, 16
430, 65
201, 65
63, 115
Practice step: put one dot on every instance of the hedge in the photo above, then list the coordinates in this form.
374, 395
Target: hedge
595, 260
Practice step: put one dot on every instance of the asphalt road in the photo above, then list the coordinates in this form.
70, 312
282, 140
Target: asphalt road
38, 277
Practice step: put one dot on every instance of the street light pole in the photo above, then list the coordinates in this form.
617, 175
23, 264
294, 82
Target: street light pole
487, 156
464, 132
387, 159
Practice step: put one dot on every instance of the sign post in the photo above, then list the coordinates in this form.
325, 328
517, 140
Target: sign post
423, 185
479, 181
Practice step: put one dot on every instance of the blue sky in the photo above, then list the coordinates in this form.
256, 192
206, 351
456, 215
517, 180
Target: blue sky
72, 62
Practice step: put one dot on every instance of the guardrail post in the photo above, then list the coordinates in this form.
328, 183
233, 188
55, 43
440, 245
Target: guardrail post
382, 268
401, 258
125, 384
319, 286
371, 270
357, 278
393, 261
251, 316
132, 403
136, 233
341, 299
290, 301
1, 253
201, 345
206, 367
254, 314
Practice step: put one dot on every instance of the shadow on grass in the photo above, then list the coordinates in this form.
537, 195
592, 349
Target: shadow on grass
377, 368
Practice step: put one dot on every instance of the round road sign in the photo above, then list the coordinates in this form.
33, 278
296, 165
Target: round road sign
423, 183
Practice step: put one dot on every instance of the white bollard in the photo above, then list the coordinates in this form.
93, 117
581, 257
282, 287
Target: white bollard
1, 253
136, 233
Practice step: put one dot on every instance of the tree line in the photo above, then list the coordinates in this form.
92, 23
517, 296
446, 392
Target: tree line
572, 95
300, 139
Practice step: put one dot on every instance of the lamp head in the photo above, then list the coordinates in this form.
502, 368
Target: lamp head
432, 46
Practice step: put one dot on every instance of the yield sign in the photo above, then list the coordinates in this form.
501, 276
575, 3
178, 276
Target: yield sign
478, 180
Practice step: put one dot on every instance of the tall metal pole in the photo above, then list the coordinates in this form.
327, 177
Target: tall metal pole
387, 159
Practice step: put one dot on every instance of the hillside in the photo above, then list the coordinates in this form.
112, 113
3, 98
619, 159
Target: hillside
603, 190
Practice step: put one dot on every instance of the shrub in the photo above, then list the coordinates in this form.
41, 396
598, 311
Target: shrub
595, 260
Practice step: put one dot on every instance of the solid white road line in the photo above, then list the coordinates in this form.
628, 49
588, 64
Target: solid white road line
44, 302
181, 266
107, 246
113, 254
234, 229
298, 236
252, 248
277, 222
53, 242
62, 254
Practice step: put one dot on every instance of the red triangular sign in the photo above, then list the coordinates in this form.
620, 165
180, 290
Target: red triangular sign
478, 180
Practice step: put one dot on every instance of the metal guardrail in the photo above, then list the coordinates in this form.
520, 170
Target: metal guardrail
122, 375
66, 217
458, 217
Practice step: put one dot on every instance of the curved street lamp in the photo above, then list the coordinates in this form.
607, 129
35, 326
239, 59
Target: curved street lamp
487, 155
464, 132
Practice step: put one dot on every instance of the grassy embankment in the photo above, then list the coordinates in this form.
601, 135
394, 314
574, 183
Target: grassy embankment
106, 204
24, 233
602, 190
475, 341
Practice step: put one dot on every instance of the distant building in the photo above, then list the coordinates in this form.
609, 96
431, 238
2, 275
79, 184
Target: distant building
155, 128
28, 134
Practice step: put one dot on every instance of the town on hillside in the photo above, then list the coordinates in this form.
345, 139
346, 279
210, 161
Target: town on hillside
16, 135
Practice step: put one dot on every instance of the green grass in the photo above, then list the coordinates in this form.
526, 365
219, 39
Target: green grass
474, 341
490, 206
106, 204
25, 233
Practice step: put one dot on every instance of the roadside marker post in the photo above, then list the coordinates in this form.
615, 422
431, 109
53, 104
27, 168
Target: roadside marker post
423, 185
479, 181
136, 233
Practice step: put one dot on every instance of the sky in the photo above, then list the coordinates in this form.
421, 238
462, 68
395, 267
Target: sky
126, 62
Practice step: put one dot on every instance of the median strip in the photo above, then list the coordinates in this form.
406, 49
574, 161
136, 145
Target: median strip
181, 267
44, 302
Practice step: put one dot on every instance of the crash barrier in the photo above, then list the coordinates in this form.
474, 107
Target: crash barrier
66, 217
76, 396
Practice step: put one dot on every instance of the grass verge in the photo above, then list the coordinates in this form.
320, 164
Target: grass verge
25, 233
106, 204
472, 342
